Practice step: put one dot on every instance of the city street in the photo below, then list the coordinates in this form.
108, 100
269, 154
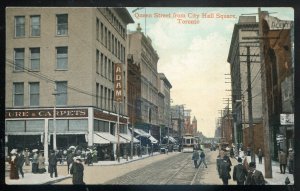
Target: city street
174, 168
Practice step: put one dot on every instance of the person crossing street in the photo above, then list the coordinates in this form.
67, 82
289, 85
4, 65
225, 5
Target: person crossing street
202, 159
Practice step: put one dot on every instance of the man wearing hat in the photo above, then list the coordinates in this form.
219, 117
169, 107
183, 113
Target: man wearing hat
77, 171
225, 170
291, 161
20, 163
254, 177
239, 172
52, 164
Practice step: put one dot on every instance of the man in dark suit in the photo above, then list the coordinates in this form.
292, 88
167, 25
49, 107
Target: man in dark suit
53, 164
239, 172
255, 177
20, 163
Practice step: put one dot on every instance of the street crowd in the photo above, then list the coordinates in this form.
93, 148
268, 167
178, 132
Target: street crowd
245, 173
18, 158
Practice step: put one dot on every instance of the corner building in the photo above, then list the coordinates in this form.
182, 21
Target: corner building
63, 59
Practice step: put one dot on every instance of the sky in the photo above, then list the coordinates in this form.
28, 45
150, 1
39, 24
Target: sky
193, 57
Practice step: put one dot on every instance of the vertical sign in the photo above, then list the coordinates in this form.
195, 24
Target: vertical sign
118, 82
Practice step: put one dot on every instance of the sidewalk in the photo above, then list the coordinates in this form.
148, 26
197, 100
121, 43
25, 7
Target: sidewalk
277, 178
30, 178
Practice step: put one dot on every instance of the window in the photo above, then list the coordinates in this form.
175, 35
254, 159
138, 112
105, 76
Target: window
105, 67
102, 32
97, 94
62, 58
105, 97
97, 29
34, 91
35, 59
101, 97
19, 59
109, 38
113, 71
113, 44
108, 103
18, 93
62, 24
109, 69
101, 67
61, 97
35, 26
19, 26
97, 61
105, 39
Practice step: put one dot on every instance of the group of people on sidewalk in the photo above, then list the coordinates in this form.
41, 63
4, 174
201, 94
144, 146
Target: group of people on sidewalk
244, 173
17, 160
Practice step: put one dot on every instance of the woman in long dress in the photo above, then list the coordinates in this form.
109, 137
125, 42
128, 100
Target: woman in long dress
13, 165
41, 163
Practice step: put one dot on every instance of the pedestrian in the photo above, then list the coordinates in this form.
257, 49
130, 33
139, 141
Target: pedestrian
260, 155
70, 157
245, 163
34, 161
248, 151
41, 163
13, 165
282, 161
77, 171
20, 163
219, 160
89, 158
291, 161
231, 152
239, 172
254, 177
26, 155
225, 170
202, 159
195, 158
94, 156
52, 164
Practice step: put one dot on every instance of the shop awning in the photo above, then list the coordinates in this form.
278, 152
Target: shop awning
99, 140
171, 139
153, 140
111, 138
142, 133
128, 137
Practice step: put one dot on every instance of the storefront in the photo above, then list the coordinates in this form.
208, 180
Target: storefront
83, 127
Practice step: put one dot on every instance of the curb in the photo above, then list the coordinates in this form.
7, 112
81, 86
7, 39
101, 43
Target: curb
57, 180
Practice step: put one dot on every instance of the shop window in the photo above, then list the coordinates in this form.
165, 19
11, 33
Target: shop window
15, 126
35, 126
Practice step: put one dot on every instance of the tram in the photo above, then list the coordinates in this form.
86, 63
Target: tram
188, 143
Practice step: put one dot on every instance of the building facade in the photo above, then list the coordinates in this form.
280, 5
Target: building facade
279, 70
140, 46
164, 104
53, 66
244, 55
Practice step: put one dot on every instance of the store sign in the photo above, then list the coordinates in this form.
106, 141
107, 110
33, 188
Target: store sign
287, 119
46, 113
107, 116
118, 82
277, 24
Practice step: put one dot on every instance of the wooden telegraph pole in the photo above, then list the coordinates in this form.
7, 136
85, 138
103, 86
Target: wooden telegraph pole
265, 111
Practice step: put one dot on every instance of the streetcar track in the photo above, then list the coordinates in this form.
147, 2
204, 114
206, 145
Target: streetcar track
177, 172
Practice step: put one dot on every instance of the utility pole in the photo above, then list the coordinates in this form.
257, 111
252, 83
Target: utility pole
265, 109
251, 128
